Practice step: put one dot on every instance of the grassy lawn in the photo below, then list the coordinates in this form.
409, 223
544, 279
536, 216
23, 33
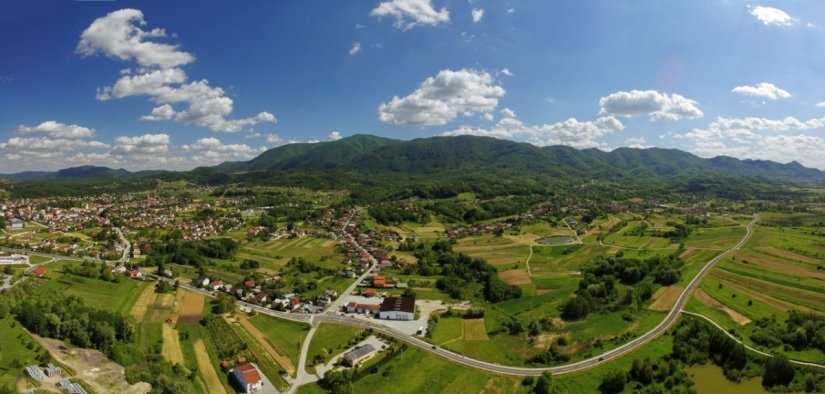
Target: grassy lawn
38, 259
14, 352
588, 381
447, 329
416, 371
117, 297
329, 340
287, 336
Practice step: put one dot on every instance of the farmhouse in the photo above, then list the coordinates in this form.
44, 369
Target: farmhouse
397, 308
365, 309
216, 285
357, 355
135, 274
248, 378
38, 271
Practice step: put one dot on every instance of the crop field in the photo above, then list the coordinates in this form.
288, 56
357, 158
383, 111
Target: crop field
171, 350
665, 298
474, 329
553, 260
223, 337
499, 255
276, 253
190, 306
714, 303
213, 383
715, 237
515, 277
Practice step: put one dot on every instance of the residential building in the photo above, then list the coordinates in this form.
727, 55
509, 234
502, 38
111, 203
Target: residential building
248, 378
357, 355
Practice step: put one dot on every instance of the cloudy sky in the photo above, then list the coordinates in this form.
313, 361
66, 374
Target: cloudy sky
174, 85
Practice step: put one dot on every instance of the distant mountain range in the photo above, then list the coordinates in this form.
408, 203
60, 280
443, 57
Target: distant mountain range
367, 153
68, 173
365, 156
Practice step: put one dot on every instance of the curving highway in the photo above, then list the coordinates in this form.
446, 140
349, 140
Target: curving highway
561, 369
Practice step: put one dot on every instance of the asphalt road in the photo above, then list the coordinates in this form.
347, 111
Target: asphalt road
561, 369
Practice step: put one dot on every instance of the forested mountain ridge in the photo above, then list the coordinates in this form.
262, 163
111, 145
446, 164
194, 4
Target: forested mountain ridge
437, 166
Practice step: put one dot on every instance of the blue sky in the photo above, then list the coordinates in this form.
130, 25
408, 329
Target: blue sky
174, 85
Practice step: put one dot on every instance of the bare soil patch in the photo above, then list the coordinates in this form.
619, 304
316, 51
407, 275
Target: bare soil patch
688, 254
541, 292
474, 329
787, 254
665, 298
171, 345
92, 366
143, 302
706, 299
207, 370
191, 306
515, 277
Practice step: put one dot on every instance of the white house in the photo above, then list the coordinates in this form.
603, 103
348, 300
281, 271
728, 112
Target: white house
16, 224
397, 308
248, 378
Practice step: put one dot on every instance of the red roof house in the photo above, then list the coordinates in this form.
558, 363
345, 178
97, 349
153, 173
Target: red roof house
39, 272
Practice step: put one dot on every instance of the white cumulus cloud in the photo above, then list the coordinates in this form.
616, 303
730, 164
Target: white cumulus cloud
764, 89
355, 48
650, 102
119, 34
142, 144
411, 13
477, 14
571, 132
772, 16
334, 136
57, 130
440, 99
781, 140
